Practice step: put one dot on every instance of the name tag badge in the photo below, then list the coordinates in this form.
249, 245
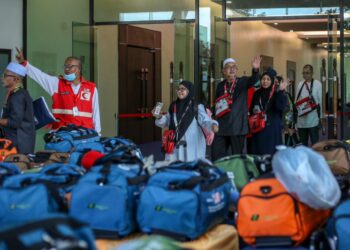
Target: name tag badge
75, 111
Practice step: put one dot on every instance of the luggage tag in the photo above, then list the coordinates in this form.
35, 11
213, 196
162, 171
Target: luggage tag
75, 111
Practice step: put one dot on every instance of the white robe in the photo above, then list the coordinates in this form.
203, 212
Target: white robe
193, 136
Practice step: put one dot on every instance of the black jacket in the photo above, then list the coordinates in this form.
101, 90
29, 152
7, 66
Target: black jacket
236, 122
21, 127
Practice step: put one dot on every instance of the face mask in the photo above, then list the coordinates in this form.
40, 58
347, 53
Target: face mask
71, 77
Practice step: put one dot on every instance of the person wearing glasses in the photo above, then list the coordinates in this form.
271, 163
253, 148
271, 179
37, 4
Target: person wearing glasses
74, 99
188, 119
231, 108
308, 103
17, 119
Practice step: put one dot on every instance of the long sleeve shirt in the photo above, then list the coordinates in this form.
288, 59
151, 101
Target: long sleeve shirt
20, 127
50, 85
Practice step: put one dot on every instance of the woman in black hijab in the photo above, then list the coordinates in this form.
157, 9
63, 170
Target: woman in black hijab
271, 100
188, 119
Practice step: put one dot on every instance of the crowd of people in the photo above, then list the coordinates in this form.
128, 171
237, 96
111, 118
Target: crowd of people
265, 116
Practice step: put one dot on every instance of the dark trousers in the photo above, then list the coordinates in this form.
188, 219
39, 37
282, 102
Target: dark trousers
305, 133
221, 145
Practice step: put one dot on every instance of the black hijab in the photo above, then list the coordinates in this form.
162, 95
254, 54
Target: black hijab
262, 95
185, 111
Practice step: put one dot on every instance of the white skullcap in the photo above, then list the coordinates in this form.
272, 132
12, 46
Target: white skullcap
228, 60
17, 69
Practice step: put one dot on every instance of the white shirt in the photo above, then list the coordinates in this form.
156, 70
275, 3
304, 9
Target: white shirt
310, 120
50, 85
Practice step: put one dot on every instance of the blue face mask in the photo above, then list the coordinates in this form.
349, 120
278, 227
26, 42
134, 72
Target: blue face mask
71, 77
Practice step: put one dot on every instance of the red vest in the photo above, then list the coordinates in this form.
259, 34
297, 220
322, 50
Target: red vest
69, 108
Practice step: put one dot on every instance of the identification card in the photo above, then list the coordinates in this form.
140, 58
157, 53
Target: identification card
75, 111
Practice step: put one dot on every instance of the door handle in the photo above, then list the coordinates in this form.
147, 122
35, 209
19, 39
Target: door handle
145, 89
142, 79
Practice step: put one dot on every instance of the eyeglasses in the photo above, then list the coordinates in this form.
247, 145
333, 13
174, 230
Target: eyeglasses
69, 67
181, 89
306, 73
7, 75
231, 68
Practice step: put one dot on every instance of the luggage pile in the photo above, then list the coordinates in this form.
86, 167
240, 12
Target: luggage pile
51, 200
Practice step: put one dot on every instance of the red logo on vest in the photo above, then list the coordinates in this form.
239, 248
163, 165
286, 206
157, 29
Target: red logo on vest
85, 95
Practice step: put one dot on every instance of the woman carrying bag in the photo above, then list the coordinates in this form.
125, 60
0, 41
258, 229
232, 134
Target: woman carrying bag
265, 120
188, 122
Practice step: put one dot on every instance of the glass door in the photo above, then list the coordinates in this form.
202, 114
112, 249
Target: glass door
182, 68
84, 47
333, 88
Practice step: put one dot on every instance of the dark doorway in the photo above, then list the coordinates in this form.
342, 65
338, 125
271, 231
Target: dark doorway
139, 82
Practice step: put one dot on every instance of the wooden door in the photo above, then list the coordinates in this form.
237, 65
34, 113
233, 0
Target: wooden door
139, 83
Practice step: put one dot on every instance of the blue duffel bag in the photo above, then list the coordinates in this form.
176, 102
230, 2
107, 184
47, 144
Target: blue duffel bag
184, 200
81, 149
55, 231
119, 143
338, 229
8, 169
106, 196
27, 203
65, 139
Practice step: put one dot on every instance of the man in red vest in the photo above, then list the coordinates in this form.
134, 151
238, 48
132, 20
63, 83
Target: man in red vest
74, 99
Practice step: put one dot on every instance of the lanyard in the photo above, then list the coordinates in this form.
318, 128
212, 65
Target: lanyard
232, 88
183, 115
307, 87
270, 96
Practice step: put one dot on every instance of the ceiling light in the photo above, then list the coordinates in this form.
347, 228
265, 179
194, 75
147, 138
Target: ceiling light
229, 2
291, 31
325, 46
275, 24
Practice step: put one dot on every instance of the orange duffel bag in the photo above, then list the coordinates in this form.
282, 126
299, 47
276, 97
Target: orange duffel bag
268, 215
6, 148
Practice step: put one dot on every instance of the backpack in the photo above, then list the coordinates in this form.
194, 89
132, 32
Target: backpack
6, 148
240, 169
106, 197
268, 215
65, 139
54, 231
46, 157
184, 200
338, 226
208, 134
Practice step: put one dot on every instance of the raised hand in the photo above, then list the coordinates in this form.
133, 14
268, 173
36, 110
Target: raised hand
284, 84
256, 62
20, 56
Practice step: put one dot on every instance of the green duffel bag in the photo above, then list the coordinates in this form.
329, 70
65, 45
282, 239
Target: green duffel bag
240, 169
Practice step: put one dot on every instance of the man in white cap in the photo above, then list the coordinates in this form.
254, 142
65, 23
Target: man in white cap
231, 108
17, 120
74, 99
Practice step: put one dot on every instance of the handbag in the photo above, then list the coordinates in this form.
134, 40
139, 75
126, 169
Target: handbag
223, 103
168, 141
257, 122
307, 104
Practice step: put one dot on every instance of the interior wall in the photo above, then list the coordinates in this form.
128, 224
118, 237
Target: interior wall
107, 58
107, 76
250, 38
11, 25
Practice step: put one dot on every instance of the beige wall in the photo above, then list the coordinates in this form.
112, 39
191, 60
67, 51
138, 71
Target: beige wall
107, 63
255, 38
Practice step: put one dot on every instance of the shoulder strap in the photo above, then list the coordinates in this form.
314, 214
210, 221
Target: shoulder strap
299, 93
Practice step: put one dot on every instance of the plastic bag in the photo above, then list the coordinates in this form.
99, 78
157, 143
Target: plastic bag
306, 175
